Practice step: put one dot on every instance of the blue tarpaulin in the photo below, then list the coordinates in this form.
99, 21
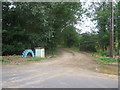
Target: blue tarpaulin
26, 52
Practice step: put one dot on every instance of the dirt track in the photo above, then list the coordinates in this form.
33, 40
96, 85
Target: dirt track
79, 60
68, 69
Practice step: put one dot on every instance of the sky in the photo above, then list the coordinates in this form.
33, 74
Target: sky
87, 25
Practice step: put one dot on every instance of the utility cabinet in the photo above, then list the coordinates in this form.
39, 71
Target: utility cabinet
39, 52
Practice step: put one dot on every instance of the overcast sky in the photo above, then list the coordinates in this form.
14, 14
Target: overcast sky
87, 25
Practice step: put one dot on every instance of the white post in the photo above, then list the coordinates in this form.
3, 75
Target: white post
42, 52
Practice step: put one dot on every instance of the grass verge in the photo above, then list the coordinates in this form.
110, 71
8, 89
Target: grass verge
4, 60
36, 59
18, 60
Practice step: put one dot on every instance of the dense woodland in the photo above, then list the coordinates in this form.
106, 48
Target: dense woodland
49, 25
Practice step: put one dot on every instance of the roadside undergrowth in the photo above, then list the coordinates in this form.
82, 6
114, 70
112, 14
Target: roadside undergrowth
17, 60
106, 60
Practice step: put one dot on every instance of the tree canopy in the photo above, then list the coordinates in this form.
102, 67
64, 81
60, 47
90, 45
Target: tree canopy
37, 24
50, 24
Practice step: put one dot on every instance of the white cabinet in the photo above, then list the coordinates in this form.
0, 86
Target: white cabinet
39, 52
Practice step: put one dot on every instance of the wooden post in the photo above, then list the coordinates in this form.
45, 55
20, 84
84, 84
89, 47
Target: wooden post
112, 30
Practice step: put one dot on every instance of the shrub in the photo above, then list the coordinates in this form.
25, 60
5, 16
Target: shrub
104, 53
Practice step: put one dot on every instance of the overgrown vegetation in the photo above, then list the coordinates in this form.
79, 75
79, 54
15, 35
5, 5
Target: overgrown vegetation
103, 53
52, 24
88, 42
101, 14
106, 60
38, 24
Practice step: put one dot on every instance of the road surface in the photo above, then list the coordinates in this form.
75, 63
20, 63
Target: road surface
69, 69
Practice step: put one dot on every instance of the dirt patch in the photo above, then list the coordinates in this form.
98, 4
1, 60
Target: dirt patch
75, 59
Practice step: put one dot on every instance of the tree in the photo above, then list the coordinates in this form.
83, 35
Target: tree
32, 24
70, 37
101, 14
88, 42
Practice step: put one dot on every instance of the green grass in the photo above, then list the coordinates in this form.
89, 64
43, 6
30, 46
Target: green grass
105, 60
36, 59
4, 60
102, 53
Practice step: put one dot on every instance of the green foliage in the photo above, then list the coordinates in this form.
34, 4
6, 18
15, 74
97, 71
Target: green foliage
101, 15
71, 37
36, 59
103, 53
117, 27
14, 42
105, 60
4, 60
37, 24
119, 60
88, 42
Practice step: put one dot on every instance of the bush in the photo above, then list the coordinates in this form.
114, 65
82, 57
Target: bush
119, 60
104, 53
88, 42
105, 60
